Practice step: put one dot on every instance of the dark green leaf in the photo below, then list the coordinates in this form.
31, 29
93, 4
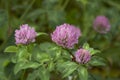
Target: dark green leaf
44, 73
39, 74
34, 75
4, 59
22, 65
67, 68
82, 72
48, 47
51, 66
42, 57
23, 55
98, 61
51, 49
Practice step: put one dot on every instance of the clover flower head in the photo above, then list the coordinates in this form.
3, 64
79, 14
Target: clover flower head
101, 24
66, 35
25, 35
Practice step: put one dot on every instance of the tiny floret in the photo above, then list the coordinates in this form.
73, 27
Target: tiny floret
66, 35
82, 56
101, 24
25, 35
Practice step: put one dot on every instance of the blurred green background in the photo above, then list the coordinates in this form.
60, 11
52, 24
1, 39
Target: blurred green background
45, 15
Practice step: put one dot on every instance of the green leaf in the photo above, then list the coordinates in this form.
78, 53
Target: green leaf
67, 68
91, 50
48, 47
98, 61
14, 59
42, 57
33, 75
11, 49
57, 54
23, 55
44, 73
22, 65
51, 66
86, 46
69, 71
40, 74
82, 72
65, 54
51, 49
41, 33
4, 59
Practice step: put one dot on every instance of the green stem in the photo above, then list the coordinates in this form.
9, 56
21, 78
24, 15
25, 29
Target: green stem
65, 4
22, 78
28, 47
7, 9
26, 11
8, 17
71, 53
84, 21
112, 3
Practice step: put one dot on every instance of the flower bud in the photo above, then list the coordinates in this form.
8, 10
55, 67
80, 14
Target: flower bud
82, 56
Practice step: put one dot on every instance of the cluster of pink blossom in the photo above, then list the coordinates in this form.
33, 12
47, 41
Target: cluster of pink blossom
67, 36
